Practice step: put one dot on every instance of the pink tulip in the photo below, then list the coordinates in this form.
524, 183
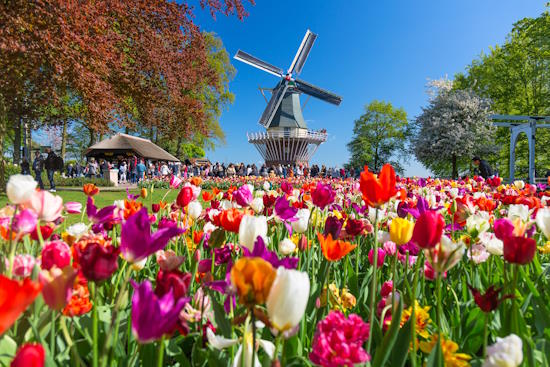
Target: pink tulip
57, 286
22, 265
175, 182
73, 207
25, 221
48, 207
56, 253
168, 260
381, 257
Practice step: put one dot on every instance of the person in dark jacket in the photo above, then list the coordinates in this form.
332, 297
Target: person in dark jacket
25, 167
483, 167
37, 167
50, 165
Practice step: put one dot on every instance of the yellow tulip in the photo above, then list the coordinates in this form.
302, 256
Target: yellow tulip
401, 231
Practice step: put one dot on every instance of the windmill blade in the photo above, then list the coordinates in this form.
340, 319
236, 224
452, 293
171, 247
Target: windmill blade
317, 92
271, 108
257, 63
302, 54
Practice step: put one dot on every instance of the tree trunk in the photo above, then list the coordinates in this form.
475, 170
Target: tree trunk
455, 168
92, 136
64, 138
3, 131
17, 140
178, 147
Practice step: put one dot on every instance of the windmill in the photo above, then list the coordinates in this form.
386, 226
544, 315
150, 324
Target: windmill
287, 140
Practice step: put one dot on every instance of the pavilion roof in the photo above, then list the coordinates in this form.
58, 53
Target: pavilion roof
124, 143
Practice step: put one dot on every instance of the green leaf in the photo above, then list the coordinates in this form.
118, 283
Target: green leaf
402, 344
383, 352
222, 322
435, 359
8, 347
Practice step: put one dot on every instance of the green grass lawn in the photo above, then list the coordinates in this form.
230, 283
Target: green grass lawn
105, 198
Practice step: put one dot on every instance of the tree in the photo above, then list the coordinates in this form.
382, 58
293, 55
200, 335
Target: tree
379, 137
516, 77
451, 130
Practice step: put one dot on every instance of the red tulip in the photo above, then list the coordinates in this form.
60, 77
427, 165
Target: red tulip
489, 301
519, 250
176, 280
378, 190
185, 196
29, 355
322, 195
46, 231
428, 229
55, 253
97, 262
15, 297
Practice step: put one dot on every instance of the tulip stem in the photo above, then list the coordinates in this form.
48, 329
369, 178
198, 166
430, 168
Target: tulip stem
12, 241
373, 282
438, 315
95, 326
413, 313
70, 342
52, 334
161, 352
485, 333
253, 318
515, 325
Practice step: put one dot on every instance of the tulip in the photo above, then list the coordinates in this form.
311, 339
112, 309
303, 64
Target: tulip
401, 231
354, 227
490, 300
543, 221
45, 231
230, 220
287, 300
194, 209
476, 225
136, 240
168, 260
428, 229
173, 280
334, 250
378, 190
73, 207
284, 211
520, 211
250, 228
333, 226
104, 215
20, 188
57, 286
22, 265
47, 206
493, 245
287, 247
323, 195
97, 262
55, 253
257, 204
153, 316
519, 250
90, 189
446, 255
252, 277
25, 221
270, 256
506, 352
29, 355
300, 225
175, 182
15, 297
243, 196
185, 196
381, 257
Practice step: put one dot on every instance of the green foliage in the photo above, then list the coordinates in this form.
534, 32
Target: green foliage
380, 136
516, 77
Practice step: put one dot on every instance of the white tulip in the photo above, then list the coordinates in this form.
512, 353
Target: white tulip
519, 184
506, 352
257, 204
520, 211
300, 225
543, 221
287, 299
20, 188
493, 245
250, 228
77, 230
266, 186
478, 224
286, 246
194, 209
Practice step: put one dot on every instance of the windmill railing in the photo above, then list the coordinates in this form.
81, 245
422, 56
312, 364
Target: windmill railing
319, 136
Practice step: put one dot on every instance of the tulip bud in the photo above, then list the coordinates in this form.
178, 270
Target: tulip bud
29, 355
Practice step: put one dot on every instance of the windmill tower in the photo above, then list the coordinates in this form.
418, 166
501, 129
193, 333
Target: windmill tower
287, 140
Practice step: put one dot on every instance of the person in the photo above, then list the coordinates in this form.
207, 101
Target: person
122, 170
25, 167
50, 164
141, 168
37, 167
485, 170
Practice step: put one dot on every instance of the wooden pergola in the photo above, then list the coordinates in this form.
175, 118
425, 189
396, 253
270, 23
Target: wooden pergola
518, 125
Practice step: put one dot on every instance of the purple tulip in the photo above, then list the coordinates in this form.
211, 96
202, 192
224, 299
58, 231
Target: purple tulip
153, 316
284, 211
333, 226
101, 216
25, 221
136, 240
270, 256
243, 196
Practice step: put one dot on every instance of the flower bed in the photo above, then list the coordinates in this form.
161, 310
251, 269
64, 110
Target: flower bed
293, 272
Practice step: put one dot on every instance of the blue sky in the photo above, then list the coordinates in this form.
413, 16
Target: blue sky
366, 50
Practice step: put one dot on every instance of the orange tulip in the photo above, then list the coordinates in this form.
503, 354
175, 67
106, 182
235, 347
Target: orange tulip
143, 192
131, 207
207, 196
90, 189
334, 250
15, 297
197, 236
252, 277
230, 220
195, 180
378, 190
215, 191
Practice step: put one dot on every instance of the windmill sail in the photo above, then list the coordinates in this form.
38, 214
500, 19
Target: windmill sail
257, 63
317, 92
303, 52
274, 103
